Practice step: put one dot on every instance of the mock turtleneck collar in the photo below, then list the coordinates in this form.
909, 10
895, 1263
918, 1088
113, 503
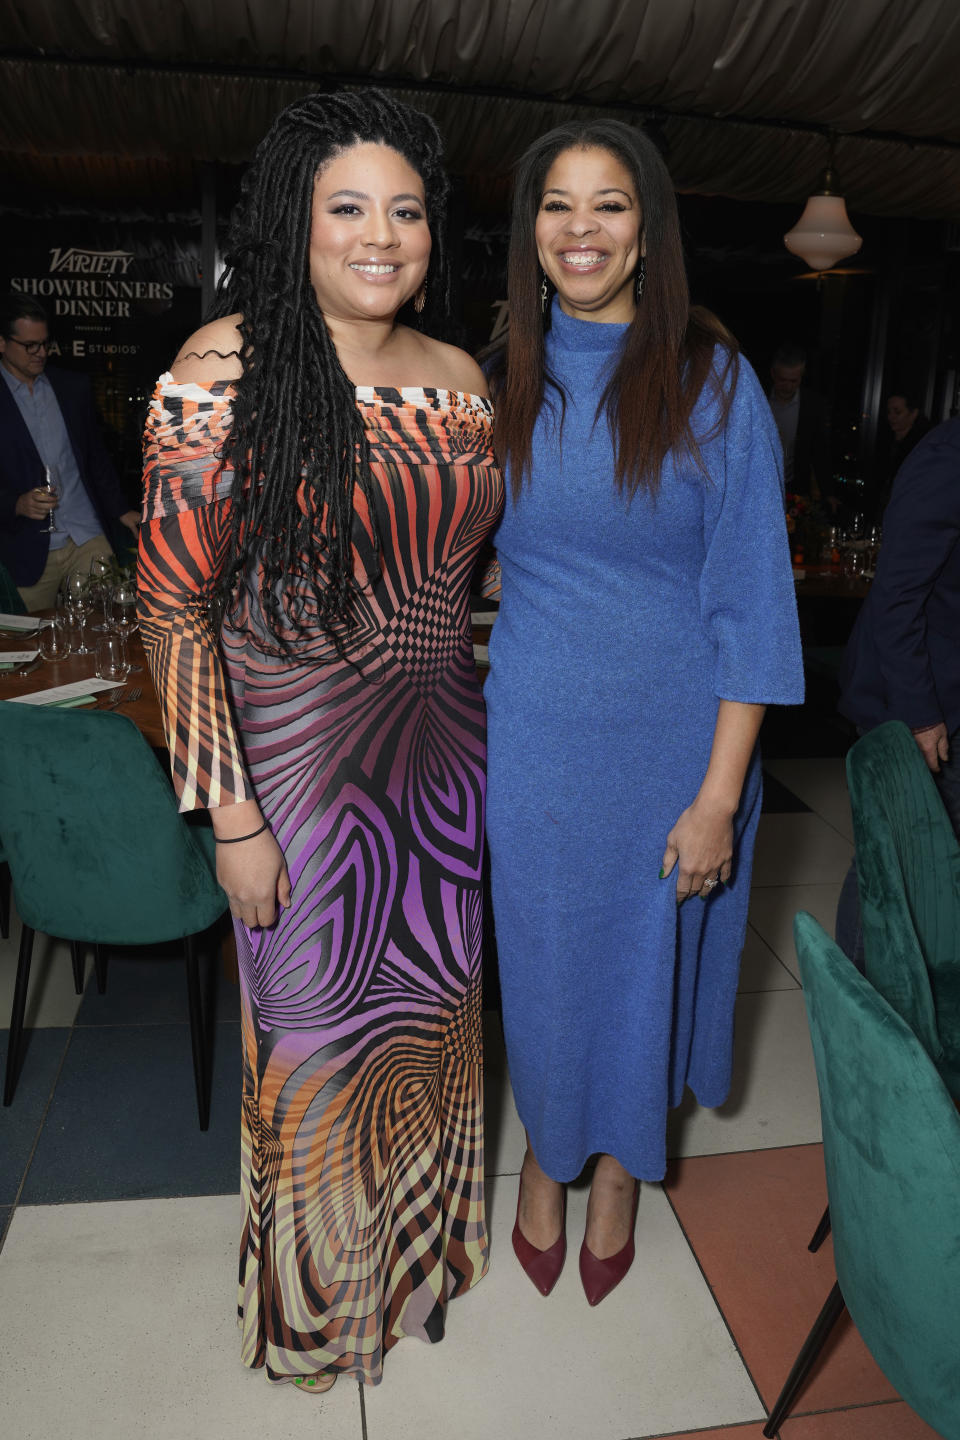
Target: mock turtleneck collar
596, 335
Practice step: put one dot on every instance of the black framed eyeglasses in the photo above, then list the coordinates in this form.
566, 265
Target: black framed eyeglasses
32, 347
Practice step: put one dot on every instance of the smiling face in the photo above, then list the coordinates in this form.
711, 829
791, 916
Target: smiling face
369, 238
588, 232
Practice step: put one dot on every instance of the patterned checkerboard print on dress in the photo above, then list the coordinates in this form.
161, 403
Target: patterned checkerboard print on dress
362, 1168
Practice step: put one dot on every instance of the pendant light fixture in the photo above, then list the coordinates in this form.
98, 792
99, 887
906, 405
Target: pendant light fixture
823, 234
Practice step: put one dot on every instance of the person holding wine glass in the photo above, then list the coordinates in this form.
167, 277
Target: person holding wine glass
52, 458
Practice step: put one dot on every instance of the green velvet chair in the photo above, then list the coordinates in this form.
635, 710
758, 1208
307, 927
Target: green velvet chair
4, 897
891, 1144
908, 870
98, 853
908, 867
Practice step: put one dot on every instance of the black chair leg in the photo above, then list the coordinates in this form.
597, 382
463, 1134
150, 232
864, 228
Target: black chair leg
814, 1343
18, 1012
4, 900
76, 959
821, 1232
197, 1037
100, 968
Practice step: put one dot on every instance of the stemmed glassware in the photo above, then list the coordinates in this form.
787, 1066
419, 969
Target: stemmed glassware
51, 485
99, 574
125, 617
80, 601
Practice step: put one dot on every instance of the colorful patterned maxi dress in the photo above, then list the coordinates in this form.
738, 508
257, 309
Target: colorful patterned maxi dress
362, 1158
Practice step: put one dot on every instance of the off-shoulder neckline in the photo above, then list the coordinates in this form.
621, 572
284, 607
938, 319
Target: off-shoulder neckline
366, 394
417, 394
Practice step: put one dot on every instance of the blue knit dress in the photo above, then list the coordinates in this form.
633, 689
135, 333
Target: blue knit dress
621, 626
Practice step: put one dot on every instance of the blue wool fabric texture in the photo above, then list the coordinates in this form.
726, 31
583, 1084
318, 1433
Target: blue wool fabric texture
622, 624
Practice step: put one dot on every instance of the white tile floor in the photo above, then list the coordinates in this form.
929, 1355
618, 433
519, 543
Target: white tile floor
135, 1302
117, 1319
518, 1365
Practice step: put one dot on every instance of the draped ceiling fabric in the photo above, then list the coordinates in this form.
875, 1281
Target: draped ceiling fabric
125, 97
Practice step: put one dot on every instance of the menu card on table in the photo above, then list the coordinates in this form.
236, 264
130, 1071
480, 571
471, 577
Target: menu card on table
76, 693
9, 658
27, 623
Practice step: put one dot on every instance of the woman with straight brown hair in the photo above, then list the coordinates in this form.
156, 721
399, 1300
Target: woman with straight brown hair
647, 618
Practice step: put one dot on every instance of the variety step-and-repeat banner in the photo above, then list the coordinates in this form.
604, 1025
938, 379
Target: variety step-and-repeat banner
120, 297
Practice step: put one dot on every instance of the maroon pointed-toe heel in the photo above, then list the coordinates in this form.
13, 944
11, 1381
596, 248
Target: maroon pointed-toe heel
542, 1266
598, 1277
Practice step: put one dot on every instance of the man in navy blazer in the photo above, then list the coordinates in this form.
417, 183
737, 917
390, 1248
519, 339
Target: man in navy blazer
903, 656
48, 422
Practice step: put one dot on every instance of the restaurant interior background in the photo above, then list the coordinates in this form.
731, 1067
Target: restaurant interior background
125, 130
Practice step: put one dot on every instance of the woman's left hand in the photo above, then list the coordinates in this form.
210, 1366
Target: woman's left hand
701, 847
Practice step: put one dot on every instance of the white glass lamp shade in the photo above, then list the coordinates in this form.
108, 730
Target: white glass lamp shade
823, 234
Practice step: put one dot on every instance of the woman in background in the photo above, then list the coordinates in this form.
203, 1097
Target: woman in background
647, 617
326, 473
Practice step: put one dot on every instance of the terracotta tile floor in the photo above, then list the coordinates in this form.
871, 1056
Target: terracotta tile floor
749, 1218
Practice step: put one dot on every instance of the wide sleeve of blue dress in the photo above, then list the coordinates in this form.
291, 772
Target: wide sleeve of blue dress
747, 598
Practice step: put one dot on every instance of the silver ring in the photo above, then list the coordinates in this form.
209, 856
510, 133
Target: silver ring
709, 884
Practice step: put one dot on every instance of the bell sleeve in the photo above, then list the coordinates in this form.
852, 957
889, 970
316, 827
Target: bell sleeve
184, 537
747, 598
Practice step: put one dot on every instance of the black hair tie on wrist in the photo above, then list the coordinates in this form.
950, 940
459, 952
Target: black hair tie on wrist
235, 839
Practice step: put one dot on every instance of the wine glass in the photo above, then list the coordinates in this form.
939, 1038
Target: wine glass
125, 617
99, 574
81, 602
51, 486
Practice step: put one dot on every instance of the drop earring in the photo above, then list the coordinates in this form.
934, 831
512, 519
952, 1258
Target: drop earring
641, 278
544, 295
421, 298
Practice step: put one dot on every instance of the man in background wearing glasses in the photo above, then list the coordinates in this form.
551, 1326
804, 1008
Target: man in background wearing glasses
48, 424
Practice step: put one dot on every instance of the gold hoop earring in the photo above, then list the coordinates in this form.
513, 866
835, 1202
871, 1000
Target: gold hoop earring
421, 298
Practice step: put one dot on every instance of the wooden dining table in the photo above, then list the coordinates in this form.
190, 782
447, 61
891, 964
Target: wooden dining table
144, 711
828, 604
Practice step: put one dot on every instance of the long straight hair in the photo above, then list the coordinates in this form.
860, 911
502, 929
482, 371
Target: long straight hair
668, 352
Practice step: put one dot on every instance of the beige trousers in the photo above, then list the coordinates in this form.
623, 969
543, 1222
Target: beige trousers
70, 559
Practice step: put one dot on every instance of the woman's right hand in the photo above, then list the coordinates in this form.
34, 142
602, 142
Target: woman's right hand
252, 872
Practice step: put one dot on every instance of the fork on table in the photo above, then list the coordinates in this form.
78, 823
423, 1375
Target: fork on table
122, 697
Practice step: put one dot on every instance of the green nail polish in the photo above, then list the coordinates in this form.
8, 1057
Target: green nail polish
661, 872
